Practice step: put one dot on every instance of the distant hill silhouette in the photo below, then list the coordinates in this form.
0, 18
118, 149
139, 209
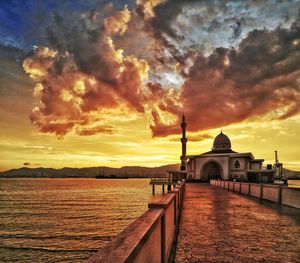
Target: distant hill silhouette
291, 174
91, 172
103, 172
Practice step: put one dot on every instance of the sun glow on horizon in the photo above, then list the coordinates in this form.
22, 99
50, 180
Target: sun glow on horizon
106, 84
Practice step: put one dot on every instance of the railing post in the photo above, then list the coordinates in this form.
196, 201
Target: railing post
279, 194
176, 205
163, 238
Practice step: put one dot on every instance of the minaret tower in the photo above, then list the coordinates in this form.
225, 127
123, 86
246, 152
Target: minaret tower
278, 167
183, 145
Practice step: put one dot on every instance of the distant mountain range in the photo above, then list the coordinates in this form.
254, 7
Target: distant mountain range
105, 172
91, 172
291, 174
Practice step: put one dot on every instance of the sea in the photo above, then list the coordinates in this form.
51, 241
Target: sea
294, 183
66, 220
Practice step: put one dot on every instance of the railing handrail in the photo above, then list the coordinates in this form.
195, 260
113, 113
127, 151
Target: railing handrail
272, 192
132, 243
158, 180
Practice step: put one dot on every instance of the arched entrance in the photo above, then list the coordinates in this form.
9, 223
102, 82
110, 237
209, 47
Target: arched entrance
211, 170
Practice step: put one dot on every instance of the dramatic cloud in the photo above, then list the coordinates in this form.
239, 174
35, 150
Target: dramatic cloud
230, 85
232, 65
237, 28
82, 72
183, 26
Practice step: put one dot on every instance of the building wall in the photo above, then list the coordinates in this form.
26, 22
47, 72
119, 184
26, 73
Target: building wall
242, 161
229, 172
202, 161
191, 168
238, 173
255, 166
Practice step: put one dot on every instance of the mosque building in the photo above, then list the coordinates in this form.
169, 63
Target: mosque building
224, 163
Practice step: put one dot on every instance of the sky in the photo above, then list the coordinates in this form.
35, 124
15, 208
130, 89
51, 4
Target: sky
105, 83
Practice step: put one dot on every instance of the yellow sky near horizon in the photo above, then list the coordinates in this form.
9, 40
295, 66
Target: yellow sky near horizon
132, 143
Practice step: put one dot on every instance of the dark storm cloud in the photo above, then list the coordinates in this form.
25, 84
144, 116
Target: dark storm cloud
85, 40
237, 28
237, 59
230, 85
82, 71
182, 26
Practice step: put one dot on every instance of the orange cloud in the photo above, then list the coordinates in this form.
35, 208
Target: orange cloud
77, 78
94, 130
117, 23
79, 75
230, 86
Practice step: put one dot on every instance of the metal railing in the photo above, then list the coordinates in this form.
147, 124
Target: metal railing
163, 180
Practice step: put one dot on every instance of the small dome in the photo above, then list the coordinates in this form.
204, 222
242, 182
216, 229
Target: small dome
222, 143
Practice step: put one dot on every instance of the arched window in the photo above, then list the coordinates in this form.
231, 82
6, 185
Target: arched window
237, 164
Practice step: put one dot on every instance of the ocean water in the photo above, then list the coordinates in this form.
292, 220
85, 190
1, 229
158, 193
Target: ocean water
66, 220
294, 183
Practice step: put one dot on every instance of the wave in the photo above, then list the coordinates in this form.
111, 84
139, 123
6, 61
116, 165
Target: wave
62, 237
49, 249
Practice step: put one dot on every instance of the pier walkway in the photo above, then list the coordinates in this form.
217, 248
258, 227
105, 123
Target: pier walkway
221, 226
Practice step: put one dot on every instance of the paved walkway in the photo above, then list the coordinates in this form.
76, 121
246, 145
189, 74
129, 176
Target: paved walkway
221, 226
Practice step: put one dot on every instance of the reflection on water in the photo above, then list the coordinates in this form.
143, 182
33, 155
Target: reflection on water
66, 220
294, 183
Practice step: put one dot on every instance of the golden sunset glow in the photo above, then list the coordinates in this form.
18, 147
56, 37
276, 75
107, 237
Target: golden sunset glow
106, 85
132, 144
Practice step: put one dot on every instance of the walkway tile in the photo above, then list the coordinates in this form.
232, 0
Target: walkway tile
221, 226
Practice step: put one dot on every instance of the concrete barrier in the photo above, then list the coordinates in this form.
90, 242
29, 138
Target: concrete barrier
177, 204
290, 196
271, 193
237, 187
167, 203
226, 184
256, 190
222, 184
275, 193
245, 188
150, 237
